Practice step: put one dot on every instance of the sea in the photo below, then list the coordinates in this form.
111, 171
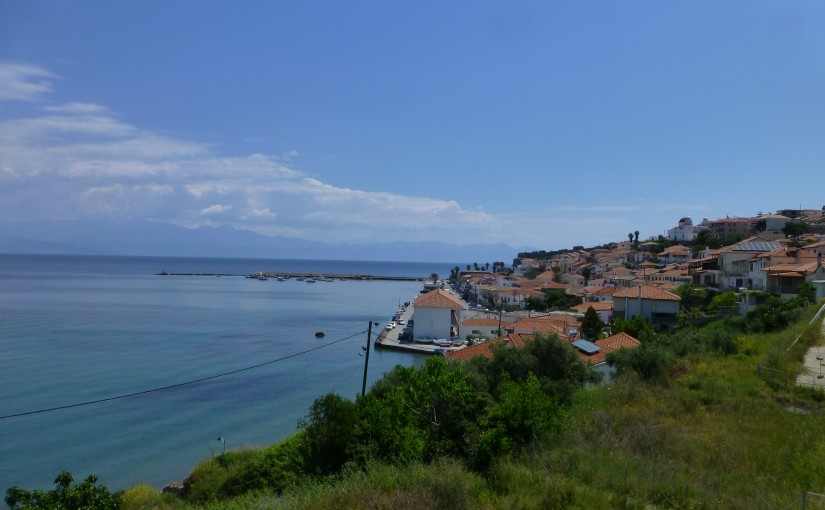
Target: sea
109, 367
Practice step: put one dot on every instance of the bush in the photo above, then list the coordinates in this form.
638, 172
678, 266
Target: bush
85, 495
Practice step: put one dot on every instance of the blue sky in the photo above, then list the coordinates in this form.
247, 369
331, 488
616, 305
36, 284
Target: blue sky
537, 124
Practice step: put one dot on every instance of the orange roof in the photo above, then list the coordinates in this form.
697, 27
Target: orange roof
646, 292
485, 321
607, 345
599, 306
439, 298
486, 348
786, 269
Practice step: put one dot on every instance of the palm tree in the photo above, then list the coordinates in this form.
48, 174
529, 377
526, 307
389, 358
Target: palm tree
630, 237
636, 233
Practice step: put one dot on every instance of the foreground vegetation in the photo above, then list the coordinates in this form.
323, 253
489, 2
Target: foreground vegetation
705, 417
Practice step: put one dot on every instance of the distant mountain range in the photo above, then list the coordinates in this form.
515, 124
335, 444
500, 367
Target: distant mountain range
143, 238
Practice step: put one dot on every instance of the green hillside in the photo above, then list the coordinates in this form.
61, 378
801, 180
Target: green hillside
704, 417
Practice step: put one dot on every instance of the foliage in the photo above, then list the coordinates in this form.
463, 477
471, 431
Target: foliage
795, 228
592, 325
328, 434
558, 299
723, 300
535, 304
689, 422
806, 292
85, 495
649, 361
637, 327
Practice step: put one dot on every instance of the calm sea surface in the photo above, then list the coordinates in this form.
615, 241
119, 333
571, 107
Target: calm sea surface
76, 329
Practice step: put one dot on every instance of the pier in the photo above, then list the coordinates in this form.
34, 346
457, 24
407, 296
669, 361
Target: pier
390, 339
331, 276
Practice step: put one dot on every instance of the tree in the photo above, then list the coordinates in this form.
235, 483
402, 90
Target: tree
636, 235
807, 292
328, 429
85, 495
794, 228
706, 238
586, 272
434, 277
592, 325
535, 304
637, 327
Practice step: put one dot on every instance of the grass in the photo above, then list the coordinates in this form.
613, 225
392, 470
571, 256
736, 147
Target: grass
719, 433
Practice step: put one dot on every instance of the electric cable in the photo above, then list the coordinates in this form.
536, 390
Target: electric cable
178, 385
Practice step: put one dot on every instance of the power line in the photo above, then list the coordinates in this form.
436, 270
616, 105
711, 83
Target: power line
178, 385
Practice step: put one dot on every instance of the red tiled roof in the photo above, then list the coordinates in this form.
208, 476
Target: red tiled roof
439, 298
486, 321
607, 345
596, 305
646, 292
486, 348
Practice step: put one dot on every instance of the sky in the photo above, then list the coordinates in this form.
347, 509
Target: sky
541, 124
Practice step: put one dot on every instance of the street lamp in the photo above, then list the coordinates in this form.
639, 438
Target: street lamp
223, 440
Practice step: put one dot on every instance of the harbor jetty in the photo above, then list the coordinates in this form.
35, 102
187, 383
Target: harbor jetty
285, 275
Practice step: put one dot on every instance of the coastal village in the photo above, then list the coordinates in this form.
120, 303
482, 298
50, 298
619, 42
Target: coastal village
477, 309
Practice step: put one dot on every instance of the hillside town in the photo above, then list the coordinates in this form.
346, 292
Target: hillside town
745, 260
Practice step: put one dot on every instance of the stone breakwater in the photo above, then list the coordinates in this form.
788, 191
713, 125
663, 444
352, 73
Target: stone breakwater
330, 276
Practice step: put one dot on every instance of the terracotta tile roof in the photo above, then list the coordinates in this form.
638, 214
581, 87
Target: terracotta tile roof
553, 285
599, 306
546, 276
607, 345
676, 249
518, 291
538, 325
784, 269
486, 348
647, 292
439, 298
486, 321
604, 291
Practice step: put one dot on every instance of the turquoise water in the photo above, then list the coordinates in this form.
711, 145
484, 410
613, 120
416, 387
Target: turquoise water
76, 329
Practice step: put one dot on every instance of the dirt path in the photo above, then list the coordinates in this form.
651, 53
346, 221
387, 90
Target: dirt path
814, 373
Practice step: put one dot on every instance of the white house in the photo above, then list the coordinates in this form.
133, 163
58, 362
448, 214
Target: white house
684, 231
435, 316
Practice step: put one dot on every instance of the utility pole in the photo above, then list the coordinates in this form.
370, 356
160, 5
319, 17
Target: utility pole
366, 360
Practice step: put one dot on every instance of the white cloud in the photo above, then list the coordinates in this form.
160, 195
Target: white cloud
80, 160
215, 209
23, 82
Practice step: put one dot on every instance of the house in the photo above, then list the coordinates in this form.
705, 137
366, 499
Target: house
735, 262
785, 279
486, 327
656, 305
774, 222
603, 308
674, 254
436, 315
594, 353
729, 227
684, 231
